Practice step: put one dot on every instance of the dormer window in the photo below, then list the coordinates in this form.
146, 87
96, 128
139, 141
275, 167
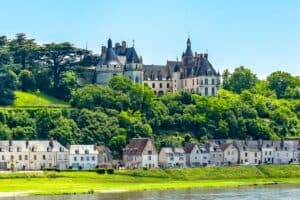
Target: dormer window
18, 149
33, 149
10, 149
61, 149
76, 151
86, 151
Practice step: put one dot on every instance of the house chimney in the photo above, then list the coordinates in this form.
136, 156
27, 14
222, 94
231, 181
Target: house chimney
51, 143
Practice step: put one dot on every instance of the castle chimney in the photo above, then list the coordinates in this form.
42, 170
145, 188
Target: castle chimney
103, 50
124, 44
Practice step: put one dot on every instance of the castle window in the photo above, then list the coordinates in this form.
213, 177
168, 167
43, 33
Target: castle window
153, 85
168, 85
206, 81
206, 91
160, 85
137, 79
213, 91
193, 82
213, 81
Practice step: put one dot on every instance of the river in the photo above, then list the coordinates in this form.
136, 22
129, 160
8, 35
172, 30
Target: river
249, 193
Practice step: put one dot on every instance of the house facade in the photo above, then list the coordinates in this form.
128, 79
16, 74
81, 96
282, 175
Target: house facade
284, 152
105, 158
193, 155
32, 154
140, 153
267, 151
230, 154
83, 156
215, 154
249, 152
172, 157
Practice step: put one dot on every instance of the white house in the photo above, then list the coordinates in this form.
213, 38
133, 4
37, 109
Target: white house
32, 154
193, 155
172, 157
249, 152
140, 153
267, 151
230, 153
284, 152
215, 154
83, 156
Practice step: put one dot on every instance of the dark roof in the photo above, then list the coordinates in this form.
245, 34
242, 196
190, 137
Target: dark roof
188, 51
159, 72
189, 147
224, 146
177, 67
204, 68
129, 53
136, 146
110, 57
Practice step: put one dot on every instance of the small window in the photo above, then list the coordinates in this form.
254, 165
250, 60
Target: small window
3, 157
86, 151
76, 151
87, 158
93, 158
20, 157
44, 157
75, 158
153, 85
206, 91
26, 157
160, 85
212, 81
168, 85
34, 157
82, 158
206, 81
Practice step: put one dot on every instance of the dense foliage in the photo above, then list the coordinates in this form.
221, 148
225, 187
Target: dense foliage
113, 114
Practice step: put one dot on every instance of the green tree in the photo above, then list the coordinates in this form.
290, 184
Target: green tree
27, 81
8, 83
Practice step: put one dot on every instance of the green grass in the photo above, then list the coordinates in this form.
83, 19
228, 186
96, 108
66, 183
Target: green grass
27, 99
87, 182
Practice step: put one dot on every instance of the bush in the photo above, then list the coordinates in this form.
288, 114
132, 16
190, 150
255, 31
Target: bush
110, 171
52, 169
100, 171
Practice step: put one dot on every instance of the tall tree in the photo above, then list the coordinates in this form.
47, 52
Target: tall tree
24, 51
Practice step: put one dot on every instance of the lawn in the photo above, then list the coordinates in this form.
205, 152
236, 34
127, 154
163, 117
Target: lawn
89, 182
26, 99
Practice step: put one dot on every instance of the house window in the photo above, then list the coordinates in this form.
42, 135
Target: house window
75, 159
168, 85
255, 154
246, 154
86, 151
197, 82
18, 149
12, 157
150, 152
20, 157
270, 153
82, 158
34, 157
160, 85
212, 81
87, 158
184, 82
26, 157
10, 149
149, 157
153, 85
193, 82
93, 158
213, 91
76, 151
44, 157
3, 158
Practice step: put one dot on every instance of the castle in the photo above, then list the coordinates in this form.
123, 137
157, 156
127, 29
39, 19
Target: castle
194, 73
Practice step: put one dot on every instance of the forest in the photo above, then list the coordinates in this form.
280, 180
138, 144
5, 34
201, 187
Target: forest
113, 114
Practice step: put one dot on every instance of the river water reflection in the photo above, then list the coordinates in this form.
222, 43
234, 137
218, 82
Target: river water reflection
264, 193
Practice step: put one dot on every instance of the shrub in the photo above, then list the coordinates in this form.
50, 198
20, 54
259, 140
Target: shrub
54, 169
100, 171
110, 171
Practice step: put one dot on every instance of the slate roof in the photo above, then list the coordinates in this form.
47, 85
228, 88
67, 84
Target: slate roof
156, 72
32, 145
83, 149
188, 148
129, 53
136, 146
110, 56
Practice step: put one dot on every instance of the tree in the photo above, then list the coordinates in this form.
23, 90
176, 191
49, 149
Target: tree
59, 58
282, 83
241, 79
67, 84
24, 51
27, 81
8, 83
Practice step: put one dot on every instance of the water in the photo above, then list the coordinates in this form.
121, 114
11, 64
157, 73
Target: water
248, 193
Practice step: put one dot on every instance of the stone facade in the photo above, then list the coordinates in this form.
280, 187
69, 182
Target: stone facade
194, 73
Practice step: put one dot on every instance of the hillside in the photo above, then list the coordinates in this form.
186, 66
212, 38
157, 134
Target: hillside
26, 99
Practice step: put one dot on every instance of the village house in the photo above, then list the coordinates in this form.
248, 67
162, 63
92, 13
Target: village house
215, 154
249, 152
193, 155
140, 153
284, 152
267, 151
171, 157
32, 154
83, 156
104, 157
230, 153
297, 152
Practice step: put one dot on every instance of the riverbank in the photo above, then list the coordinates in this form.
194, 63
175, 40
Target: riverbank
49, 183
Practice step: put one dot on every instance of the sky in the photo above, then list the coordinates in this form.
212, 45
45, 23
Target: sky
263, 35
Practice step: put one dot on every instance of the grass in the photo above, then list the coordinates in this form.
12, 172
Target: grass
132, 180
33, 100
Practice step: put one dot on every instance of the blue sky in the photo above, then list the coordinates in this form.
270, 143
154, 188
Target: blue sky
263, 35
